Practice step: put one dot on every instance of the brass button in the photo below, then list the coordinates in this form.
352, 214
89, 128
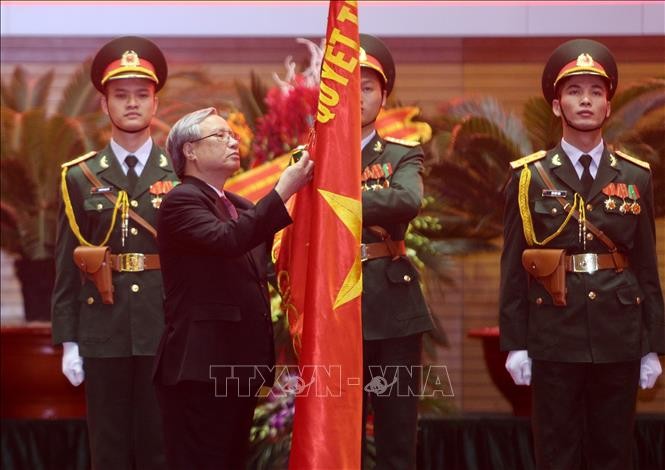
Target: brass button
589, 236
90, 300
100, 206
134, 203
589, 207
539, 300
135, 288
638, 300
135, 231
554, 211
407, 278
592, 295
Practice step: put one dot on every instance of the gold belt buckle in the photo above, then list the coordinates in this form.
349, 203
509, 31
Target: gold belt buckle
585, 263
131, 262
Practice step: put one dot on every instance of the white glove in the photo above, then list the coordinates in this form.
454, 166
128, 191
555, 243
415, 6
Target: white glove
650, 369
518, 365
72, 363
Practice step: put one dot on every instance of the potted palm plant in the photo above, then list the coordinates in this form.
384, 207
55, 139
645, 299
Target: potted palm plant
38, 135
35, 142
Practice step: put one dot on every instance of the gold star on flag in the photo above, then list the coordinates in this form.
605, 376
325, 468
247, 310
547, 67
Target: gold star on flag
349, 211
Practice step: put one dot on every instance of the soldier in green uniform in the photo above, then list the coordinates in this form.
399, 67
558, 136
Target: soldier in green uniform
110, 326
581, 308
394, 313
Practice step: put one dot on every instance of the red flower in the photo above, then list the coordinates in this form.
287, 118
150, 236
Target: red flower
287, 123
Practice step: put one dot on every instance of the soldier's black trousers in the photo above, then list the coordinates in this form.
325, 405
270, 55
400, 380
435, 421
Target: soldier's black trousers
584, 412
124, 423
393, 378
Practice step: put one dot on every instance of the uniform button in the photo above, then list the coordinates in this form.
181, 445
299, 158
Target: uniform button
135, 288
638, 300
407, 278
554, 211
589, 207
90, 300
539, 300
589, 236
134, 203
100, 207
592, 295
135, 231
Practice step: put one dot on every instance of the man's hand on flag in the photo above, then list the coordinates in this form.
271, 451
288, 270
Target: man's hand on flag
295, 177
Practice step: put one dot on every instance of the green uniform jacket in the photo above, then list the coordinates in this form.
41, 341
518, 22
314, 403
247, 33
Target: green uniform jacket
133, 325
392, 302
610, 316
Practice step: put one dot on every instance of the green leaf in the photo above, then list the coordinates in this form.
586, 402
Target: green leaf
629, 95
79, 97
40, 90
543, 126
259, 91
15, 94
635, 103
250, 108
490, 110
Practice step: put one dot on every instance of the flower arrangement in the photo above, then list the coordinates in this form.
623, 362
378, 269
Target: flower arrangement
270, 435
288, 121
291, 107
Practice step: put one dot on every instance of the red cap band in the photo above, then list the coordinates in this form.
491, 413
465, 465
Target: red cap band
130, 65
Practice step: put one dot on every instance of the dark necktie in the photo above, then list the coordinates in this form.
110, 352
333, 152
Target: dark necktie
586, 178
132, 177
228, 206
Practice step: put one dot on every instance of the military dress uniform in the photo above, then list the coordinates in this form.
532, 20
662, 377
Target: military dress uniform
132, 325
394, 312
393, 305
117, 341
586, 354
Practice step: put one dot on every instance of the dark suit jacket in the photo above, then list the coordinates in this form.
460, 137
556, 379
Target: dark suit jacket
624, 320
392, 302
134, 323
217, 304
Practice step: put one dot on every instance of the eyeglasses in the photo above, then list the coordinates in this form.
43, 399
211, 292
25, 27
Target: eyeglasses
222, 136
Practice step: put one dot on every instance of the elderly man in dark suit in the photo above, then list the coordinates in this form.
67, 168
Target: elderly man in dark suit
581, 303
213, 247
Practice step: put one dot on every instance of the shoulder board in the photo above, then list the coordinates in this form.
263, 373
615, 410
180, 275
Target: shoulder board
528, 159
406, 143
634, 160
78, 160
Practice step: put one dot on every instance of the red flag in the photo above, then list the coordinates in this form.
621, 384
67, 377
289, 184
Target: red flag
318, 268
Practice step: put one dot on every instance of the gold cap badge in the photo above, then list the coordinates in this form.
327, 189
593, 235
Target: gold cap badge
130, 59
584, 60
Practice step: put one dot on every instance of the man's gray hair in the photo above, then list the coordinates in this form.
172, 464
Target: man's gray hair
185, 130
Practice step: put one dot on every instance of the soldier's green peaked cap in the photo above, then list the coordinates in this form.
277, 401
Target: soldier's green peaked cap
129, 57
579, 57
374, 54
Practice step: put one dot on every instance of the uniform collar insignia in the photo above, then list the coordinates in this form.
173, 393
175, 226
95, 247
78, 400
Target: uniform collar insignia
613, 161
556, 160
163, 162
104, 162
378, 146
